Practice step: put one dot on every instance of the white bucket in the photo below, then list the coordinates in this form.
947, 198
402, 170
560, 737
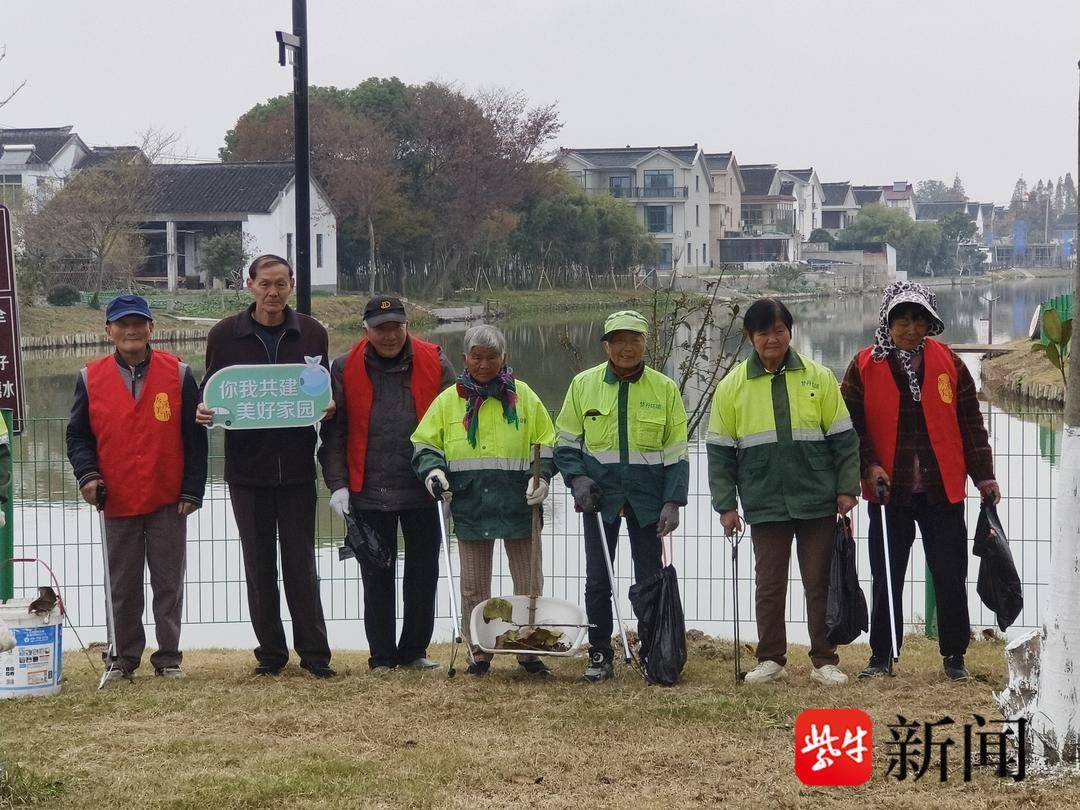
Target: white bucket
33, 668
554, 614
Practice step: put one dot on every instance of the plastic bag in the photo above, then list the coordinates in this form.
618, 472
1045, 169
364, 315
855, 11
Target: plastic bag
999, 585
362, 542
846, 616
661, 629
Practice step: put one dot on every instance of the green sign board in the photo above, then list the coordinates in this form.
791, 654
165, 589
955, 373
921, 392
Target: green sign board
282, 395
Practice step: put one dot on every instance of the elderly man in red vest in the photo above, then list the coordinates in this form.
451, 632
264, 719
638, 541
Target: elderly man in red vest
913, 402
382, 387
133, 443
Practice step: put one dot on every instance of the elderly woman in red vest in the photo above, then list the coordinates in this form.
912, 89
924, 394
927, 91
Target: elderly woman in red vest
382, 388
913, 402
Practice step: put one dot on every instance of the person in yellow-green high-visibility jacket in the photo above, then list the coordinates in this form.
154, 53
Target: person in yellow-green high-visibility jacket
621, 448
473, 449
781, 438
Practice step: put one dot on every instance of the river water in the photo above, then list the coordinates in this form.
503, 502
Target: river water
52, 524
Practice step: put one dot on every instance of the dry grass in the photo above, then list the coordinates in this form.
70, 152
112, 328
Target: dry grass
224, 738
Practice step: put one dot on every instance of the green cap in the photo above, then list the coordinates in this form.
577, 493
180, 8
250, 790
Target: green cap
627, 320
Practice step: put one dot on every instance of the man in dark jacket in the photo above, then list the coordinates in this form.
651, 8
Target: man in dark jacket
132, 436
382, 387
271, 474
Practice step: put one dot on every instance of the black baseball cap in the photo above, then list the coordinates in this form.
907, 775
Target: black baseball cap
383, 309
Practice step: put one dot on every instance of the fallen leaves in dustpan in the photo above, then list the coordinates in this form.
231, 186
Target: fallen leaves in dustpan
498, 609
537, 638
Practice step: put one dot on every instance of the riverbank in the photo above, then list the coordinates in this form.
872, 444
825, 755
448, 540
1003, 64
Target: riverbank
1023, 373
224, 738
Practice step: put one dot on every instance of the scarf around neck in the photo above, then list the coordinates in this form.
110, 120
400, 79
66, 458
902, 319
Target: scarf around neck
503, 388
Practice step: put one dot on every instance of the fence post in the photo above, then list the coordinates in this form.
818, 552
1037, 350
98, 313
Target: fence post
7, 534
930, 610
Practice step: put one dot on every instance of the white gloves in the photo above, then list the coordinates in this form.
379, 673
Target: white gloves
3, 519
339, 502
535, 496
438, 486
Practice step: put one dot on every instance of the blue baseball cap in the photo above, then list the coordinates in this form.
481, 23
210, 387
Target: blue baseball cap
124, 305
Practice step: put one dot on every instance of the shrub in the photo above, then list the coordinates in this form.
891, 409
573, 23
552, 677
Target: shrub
63, 295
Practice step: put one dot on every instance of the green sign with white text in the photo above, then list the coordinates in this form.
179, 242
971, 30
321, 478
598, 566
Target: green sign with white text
283, 395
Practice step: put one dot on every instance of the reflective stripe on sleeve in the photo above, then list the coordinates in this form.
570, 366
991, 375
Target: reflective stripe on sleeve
839, 426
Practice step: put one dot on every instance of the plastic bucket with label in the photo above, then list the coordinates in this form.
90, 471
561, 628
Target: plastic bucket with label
34, 667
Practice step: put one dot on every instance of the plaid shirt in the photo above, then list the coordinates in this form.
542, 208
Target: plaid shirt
913, 439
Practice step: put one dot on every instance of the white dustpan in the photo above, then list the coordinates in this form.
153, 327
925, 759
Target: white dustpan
556, 615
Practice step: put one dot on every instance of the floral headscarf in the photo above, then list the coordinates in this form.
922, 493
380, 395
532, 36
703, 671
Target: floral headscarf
902, 292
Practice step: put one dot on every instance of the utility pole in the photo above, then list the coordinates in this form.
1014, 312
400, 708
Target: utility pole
294, 48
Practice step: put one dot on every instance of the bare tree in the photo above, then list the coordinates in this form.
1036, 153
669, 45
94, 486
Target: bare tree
90, 223
16, 88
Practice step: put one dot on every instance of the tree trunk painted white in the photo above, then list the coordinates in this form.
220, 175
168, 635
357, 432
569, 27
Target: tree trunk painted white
1053, 712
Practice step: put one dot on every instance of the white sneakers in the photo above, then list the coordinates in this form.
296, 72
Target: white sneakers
766, 672
769, 671
828, 675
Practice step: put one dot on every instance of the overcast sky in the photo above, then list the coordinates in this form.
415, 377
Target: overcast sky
864, 90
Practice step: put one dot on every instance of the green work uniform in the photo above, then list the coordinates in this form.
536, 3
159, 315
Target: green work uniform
627, 435
488, 480
784, 441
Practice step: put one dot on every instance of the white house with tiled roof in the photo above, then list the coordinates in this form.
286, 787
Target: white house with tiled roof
669, 187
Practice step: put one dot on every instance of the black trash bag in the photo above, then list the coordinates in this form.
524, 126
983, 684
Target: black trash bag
999, 585
362, 542
661, 629
846, 616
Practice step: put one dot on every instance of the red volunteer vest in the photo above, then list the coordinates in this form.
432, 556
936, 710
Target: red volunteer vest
139, 444
426, 374
881, 405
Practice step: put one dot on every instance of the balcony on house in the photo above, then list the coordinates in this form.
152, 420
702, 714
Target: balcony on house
644, 192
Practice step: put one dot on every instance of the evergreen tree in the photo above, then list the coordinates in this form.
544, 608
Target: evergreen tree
957, 191
1019, 197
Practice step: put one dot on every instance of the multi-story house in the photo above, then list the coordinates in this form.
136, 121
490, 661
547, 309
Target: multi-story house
726, 198
35, 162
670, 188
900, 194
809, 196
840, 208
768, 233
868, 195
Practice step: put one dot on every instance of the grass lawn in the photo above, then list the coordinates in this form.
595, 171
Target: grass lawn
223, 738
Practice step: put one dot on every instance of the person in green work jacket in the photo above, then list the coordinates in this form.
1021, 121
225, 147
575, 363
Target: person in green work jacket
473, 449
621, 448
780, 435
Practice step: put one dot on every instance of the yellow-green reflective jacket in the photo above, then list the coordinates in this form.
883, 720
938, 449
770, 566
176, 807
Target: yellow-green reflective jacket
488, 480
784, 440
629, 436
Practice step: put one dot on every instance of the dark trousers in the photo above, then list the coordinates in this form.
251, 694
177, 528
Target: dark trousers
944, 535
419, 582
772, 560
267, 516
645, 552
157, 541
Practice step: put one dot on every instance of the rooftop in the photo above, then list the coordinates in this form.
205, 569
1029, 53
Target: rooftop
626, 157
47, 141
216, 188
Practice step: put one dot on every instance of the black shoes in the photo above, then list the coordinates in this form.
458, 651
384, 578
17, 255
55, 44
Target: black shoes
877, 668
537, 668
320, 671
600, 668
954, 668
479, 668
269, 669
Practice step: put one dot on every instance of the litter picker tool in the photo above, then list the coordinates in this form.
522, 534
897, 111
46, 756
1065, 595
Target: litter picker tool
537, 528
882, 493
457, 639
110, 618
733, 540
627, 657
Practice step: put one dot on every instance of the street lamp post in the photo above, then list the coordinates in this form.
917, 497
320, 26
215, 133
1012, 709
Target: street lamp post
293, 48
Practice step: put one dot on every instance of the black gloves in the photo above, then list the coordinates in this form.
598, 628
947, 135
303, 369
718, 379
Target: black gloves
586, 493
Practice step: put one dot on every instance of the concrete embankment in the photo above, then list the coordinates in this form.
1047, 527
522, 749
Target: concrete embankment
1023, 373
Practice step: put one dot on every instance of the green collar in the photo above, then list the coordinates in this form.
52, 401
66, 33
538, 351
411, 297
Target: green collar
610, 377
754, 368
